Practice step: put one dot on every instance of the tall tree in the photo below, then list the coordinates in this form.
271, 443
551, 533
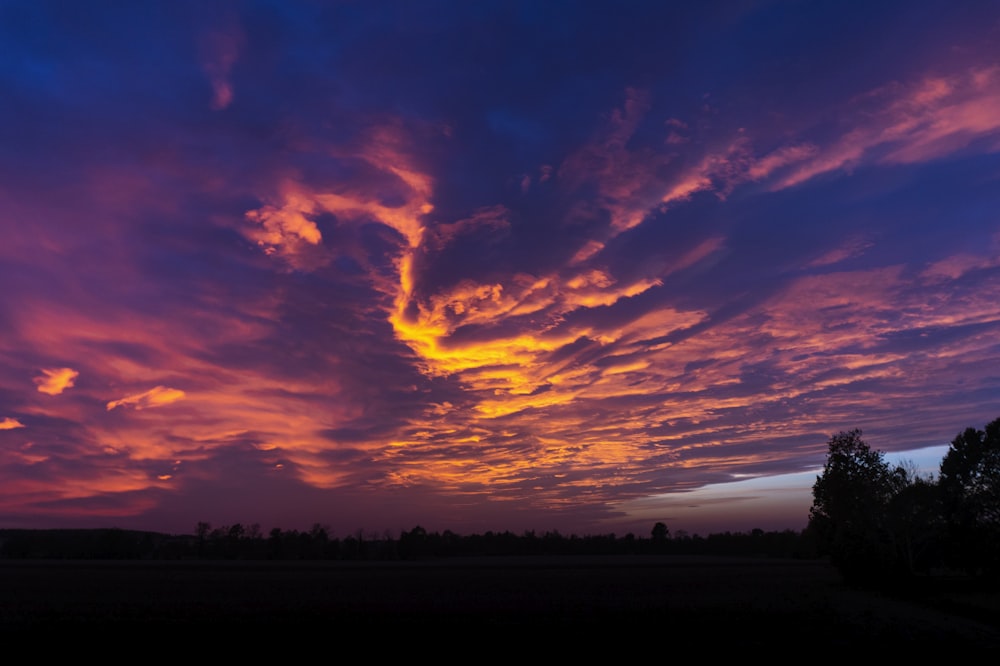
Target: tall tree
970, 487
849, 514
660, 532
916, 521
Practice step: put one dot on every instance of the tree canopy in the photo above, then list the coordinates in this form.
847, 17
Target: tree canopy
850, 501
879, 522
970, 493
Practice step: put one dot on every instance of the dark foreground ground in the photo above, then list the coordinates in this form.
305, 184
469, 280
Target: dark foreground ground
580, 603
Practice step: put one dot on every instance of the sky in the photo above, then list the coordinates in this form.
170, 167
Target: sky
571, 266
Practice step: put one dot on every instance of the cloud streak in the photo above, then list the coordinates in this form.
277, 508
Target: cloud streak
157, 396
905, 124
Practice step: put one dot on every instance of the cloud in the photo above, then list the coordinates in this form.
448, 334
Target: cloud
54, 381
220, 50
629, 180
285, 228
491, 218
9, 423
397, 196
586, 251
906, 124
854, 247
778, 159
898, 124
154, 397
954, 267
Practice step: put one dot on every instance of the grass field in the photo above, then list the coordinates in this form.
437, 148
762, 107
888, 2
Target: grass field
738, 604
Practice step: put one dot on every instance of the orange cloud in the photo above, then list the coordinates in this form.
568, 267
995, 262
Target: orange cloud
54, 381
588, 250
509, 372
819, 335
154, 397
286, 227
112, 480
9, 424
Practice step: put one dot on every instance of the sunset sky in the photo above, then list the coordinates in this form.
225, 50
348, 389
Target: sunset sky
574, 266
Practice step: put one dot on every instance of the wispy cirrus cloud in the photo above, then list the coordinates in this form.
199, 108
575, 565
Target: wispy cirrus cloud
928, 119
157, 396
852, 247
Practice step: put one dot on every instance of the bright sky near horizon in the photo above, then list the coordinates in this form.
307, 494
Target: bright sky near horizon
580, 266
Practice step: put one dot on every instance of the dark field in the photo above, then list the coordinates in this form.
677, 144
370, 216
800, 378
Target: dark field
726, 605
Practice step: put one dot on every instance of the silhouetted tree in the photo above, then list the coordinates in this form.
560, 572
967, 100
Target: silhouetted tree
414, 544
275, 545
849, 511
916, 522
660, 532
202, 531
970, 487
319, 542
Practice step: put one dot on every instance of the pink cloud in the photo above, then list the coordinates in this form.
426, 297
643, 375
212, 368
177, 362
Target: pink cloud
928, 120
780, 158
954, 267
852, 248
696, 181
628, 180
844, 154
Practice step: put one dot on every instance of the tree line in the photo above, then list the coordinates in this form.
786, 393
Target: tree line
875, 522
878, 523
248, 542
